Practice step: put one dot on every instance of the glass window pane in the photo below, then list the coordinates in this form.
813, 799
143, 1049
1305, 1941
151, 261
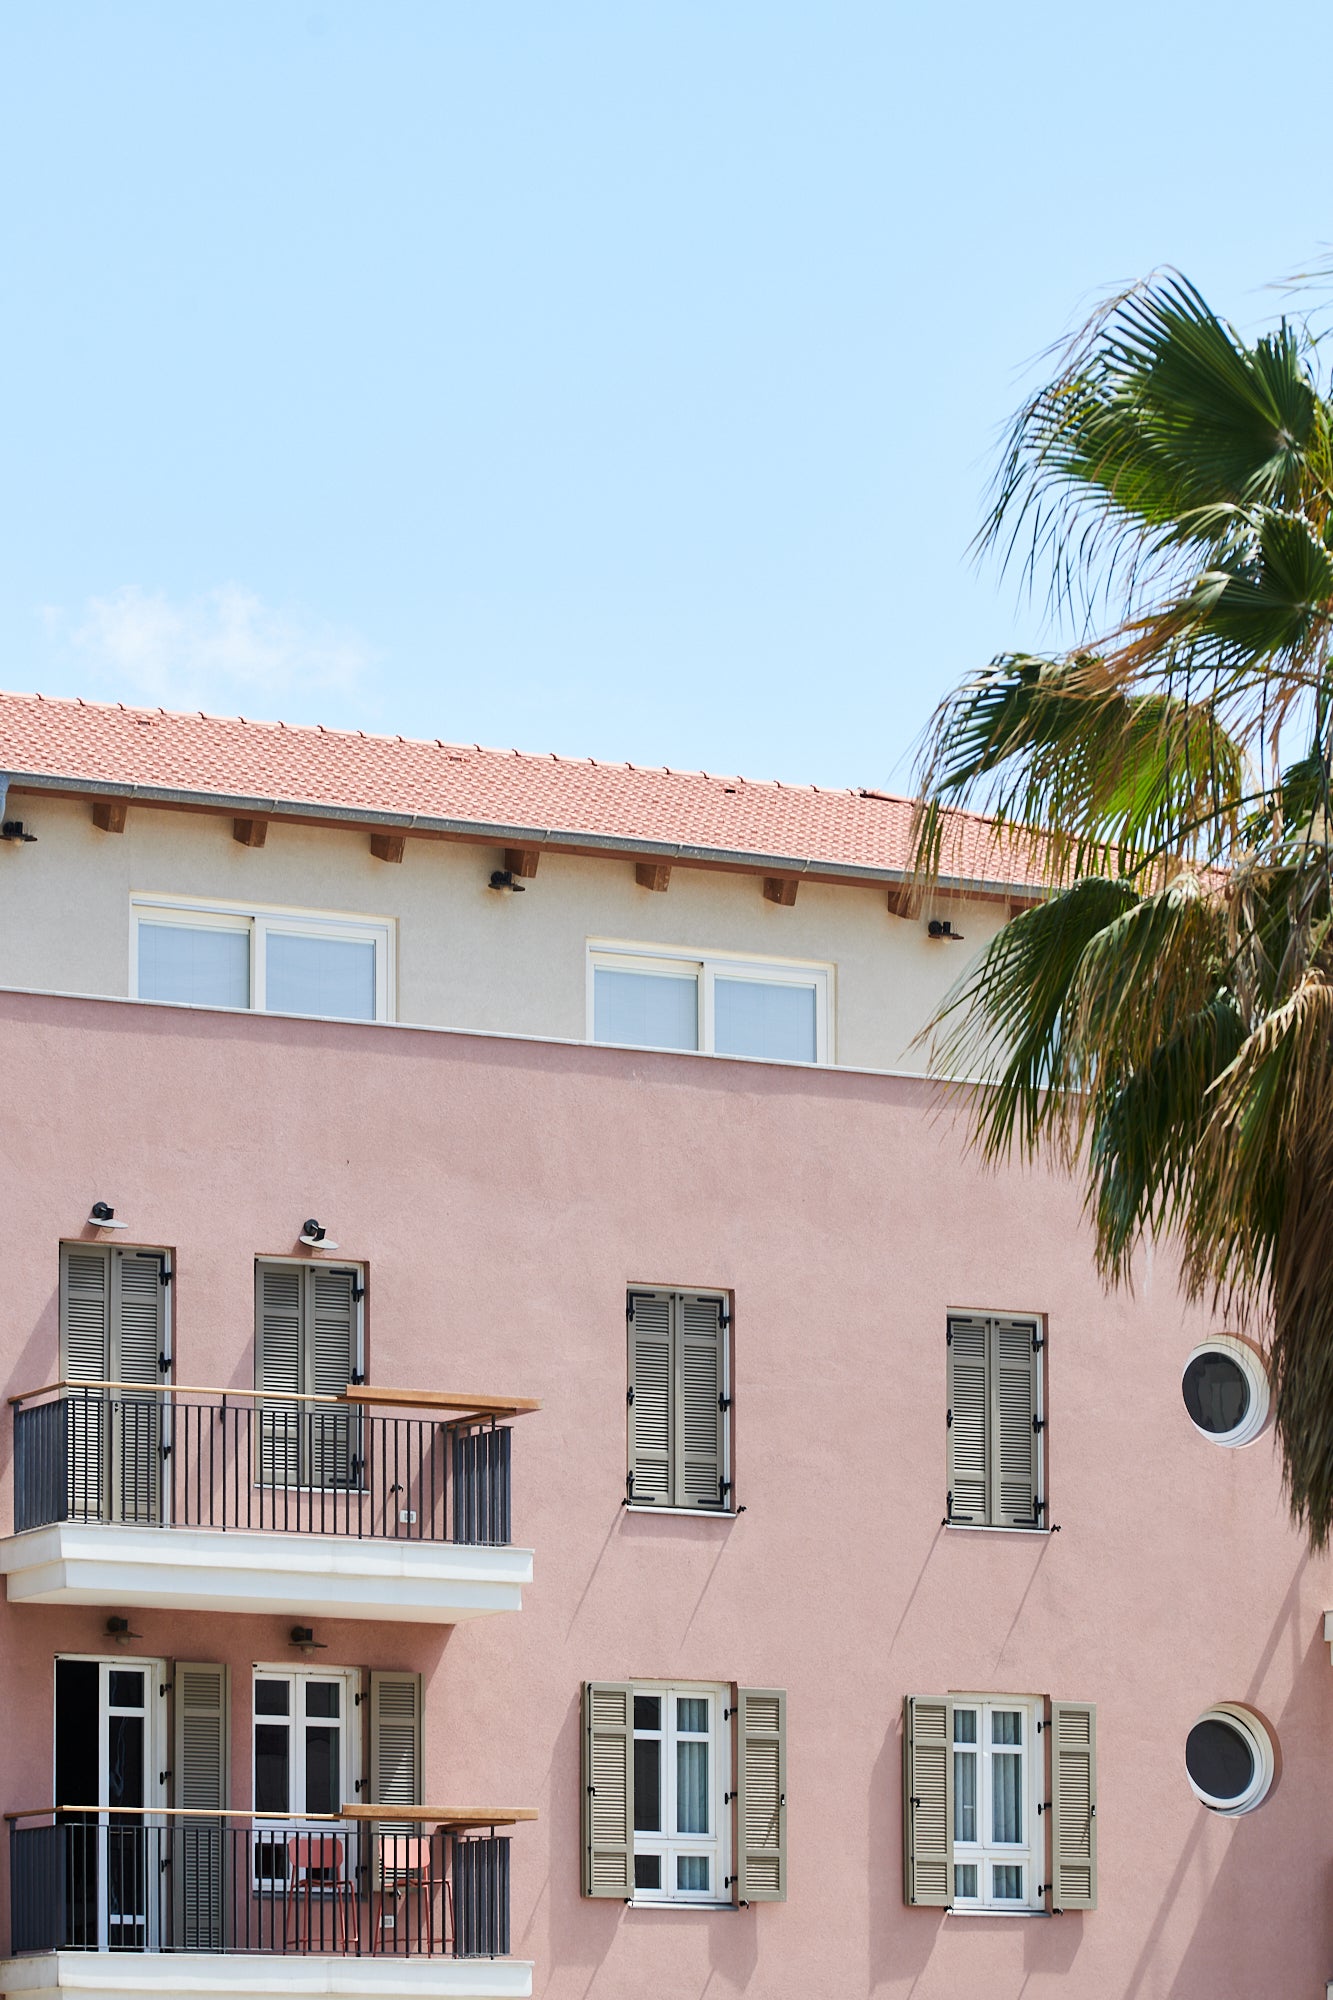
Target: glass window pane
322, 1791
271, 1697
124, 1760
692, 1873
272, 1765
1007, 1797
647, 1785
330, 976
652, 1010
647, 1711
965, 1725
321, 1698
1007, 1884
1007, 1726
692, 1787
1219, 1759
204, 968
752, 1018
965, 1795
647, 1871
126, 1689
692, 1715
965, 1879
1216, 1393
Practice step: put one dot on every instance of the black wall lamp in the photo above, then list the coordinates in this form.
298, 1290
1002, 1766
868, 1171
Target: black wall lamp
503, 878
303, 1636
314, 1235
119, 1630
940, 927
102, 1216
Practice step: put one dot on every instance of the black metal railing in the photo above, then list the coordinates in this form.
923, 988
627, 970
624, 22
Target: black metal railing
135, 1882
209, 1460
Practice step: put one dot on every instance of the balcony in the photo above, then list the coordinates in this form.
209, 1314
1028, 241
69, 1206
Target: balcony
181, 1499
111, 1904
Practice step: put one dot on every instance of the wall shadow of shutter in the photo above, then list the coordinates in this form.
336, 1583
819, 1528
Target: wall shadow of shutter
928, 1800
650, 1384
200, 1850
608, 1789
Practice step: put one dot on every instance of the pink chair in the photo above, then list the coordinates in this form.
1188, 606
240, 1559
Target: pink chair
316, 1879
405, 1862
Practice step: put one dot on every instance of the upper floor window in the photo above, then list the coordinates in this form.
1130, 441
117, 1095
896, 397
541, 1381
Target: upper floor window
276, 961
308, 1344
717, 1005
996, 1420
679, 1400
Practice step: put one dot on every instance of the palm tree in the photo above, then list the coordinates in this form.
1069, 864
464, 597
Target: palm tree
1162, 1021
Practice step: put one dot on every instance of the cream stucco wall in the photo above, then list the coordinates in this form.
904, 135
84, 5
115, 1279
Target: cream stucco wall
467, 956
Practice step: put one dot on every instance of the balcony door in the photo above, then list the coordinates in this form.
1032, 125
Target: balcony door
110, 1768
113, 1329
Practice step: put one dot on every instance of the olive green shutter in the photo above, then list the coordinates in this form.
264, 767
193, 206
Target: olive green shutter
396, 1746
1013, 1459
761, 1796
200, 1764
1072, 1740
608, 1789
928, 1800
649, 1318
138, 1338
279, 1326
85, 1356
331, 1362
700, 1468
968, 1411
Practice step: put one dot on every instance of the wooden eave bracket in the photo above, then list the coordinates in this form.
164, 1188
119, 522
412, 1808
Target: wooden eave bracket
109, 814
780, 889
522, 861
250, 832
655, 875
388, 846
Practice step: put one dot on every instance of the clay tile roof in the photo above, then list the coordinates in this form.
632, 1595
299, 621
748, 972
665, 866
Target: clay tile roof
153, 752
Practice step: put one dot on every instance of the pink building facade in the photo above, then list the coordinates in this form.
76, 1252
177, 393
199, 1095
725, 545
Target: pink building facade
763, 1657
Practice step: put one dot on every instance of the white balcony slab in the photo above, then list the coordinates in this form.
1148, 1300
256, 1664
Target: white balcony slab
107, 1975
318, 1576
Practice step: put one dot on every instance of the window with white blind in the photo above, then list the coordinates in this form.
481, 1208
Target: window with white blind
274, 961
995, 1421
308, 1345
679, 1400
706, 1001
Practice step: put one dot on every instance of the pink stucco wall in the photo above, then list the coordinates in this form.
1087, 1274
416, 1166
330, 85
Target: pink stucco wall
502, 1195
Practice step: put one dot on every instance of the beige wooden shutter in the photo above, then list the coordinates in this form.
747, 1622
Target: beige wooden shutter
608, 1789
1072, 1866
85, 1356
761, 1795
699, 1377
396, 1747
201, 1769
331, 1363
969, 1405
928, 1800
138, 1337
1013, 1458
279, 1326
649, 1317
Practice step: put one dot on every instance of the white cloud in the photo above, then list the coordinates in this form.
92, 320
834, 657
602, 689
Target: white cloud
225, 650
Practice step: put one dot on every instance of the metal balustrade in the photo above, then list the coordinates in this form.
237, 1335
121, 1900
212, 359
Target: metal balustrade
287, 1465
88, 1879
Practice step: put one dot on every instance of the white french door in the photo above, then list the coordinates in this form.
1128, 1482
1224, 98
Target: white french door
110, 1776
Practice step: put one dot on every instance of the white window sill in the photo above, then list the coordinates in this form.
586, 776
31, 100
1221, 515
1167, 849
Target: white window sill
996, 1528
670, 1903
686, 1514
1026, 1912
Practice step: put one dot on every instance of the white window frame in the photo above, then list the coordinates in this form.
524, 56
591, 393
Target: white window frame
257, 922
671, 1845
275, 1828
708, 967
984, 1853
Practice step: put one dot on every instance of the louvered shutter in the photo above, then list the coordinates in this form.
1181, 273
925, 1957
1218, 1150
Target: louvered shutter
701, 1456
138, 1325
331, 1364
1013, 1373
1072, 1870
396, 1747
608, 1789
201, 1760
761, 1795
928, 1800
279, 1324
85, 1356
969, 1404
649, 1318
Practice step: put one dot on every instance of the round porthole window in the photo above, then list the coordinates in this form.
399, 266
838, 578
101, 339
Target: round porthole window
1225, 1386
1229, 1759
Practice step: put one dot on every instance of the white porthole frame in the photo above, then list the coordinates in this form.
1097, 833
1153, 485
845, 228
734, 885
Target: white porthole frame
1254, 1732
1251, 1365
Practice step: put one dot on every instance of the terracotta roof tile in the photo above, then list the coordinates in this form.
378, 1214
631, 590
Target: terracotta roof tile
91, 744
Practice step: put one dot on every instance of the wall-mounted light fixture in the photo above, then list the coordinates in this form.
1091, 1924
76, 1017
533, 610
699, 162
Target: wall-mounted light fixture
102, 1216
503, 878
119, 1630
15, 830
940, 927
314, 1235
303, 1636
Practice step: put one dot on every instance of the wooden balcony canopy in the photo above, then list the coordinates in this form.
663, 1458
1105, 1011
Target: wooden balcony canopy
460, 1407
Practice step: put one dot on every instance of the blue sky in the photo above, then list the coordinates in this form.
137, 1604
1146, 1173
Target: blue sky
619, 379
